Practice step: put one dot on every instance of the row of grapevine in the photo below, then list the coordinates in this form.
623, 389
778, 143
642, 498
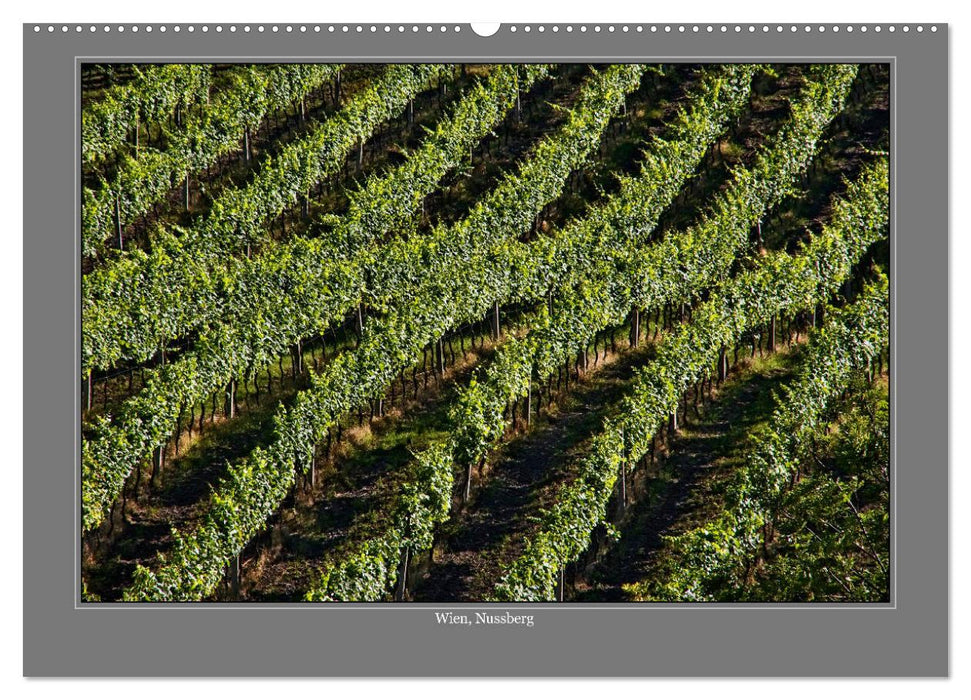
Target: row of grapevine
453, 272
829, 538
778, 282
131, 306
630, 214
218, 129
296, 290
369, 570
154, 94
848, 341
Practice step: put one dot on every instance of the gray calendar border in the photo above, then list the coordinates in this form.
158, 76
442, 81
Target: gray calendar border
909, 637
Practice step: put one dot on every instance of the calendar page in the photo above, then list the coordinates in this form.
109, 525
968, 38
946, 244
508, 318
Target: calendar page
382, 349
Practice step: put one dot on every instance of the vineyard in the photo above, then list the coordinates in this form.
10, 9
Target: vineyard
440, 333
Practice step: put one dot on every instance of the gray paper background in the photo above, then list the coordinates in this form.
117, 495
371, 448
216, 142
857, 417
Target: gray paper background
909, 637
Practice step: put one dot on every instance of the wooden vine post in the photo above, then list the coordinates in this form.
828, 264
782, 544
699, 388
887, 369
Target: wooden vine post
234, 576
231, 399
403, 580
121, 241
529, 399
623, 474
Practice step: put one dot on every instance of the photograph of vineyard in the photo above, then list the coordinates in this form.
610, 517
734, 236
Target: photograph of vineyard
490, 333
